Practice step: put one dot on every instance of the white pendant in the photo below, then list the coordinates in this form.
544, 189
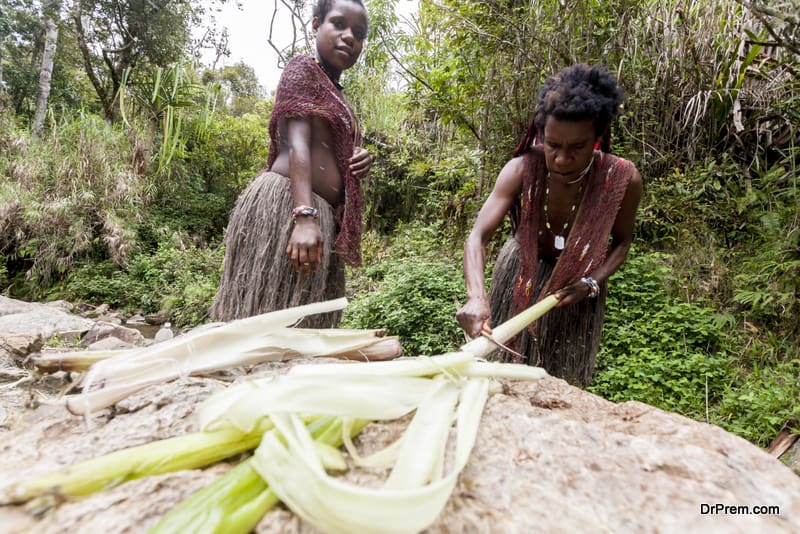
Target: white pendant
558, 242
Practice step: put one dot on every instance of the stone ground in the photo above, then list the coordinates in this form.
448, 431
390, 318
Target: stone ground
549, 458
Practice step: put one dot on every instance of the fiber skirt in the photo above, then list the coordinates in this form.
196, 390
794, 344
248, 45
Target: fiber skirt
257, 275
566, 340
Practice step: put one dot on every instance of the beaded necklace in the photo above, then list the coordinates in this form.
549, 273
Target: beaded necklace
559, 241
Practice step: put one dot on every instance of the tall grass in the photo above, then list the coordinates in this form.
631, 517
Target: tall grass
66, 196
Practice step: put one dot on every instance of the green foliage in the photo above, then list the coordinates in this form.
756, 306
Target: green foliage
67, 197
142, 36
766, 278
164, 98
178, 281
684, 357
241, 92
656, 349
104, 282
694, 200
21, 44
4, 280
759, 401
413, 299
229, 153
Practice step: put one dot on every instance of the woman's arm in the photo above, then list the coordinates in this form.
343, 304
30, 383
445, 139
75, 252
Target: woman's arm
305, 244
474, 315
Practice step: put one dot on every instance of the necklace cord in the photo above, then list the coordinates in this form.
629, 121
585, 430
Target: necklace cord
558, 239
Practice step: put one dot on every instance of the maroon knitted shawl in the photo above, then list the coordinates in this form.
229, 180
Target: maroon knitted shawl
306, 91
588, 241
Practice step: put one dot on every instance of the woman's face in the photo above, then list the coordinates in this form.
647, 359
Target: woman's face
568, 146
340, 37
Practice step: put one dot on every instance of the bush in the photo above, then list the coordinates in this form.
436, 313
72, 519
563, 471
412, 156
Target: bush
656, 349
674, 355
413, 299
759, 401
229, 154
67, 198
178, 281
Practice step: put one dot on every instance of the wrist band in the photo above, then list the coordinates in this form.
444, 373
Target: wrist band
305, 211
594, 287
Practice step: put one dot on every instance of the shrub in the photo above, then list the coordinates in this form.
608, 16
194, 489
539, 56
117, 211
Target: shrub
413, 299
67, 198
178, 281
759, 401
657, 349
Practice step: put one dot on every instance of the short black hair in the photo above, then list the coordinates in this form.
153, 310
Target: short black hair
577, 93
322, 7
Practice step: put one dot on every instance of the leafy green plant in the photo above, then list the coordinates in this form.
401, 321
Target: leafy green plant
657, 349
758, 401
178, 281
413, 299
67, 198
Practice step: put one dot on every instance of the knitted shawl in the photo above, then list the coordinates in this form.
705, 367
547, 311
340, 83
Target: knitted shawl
588, 241
305, 91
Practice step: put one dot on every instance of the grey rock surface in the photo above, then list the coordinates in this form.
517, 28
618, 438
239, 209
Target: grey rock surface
30, 318
549, 458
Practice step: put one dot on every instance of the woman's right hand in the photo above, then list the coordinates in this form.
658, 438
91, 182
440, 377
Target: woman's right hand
474, 316
305, 245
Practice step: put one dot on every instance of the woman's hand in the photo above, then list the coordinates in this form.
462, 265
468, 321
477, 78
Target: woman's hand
305, 245
360, 163
571, 294
474, 317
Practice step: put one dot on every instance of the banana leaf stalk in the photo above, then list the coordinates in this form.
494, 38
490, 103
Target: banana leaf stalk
481, 346
265, 337
190, 451
73, 361
418, 486
237, 501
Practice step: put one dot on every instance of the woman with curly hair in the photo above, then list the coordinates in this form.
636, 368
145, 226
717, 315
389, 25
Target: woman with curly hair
572, 209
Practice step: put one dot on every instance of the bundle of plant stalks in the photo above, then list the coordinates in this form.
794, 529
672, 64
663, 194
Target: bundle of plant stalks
442, 391
190, 451
298, 418
74, 361
262, 338
238, 500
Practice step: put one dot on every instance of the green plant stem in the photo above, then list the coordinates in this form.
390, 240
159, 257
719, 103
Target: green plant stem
165, 456
237, 501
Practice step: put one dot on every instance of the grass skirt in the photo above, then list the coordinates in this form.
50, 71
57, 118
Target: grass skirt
568, 338
257, 276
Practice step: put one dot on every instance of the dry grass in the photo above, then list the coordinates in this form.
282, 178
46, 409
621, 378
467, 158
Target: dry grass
67, 195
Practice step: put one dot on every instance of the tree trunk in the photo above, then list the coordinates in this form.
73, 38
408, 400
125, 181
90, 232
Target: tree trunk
46, 71
2, 84
80, 34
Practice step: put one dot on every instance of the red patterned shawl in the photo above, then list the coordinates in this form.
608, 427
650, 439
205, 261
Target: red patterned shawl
306, 91
588, 241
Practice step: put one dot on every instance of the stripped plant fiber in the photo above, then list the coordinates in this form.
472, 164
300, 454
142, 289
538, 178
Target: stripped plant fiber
265, 337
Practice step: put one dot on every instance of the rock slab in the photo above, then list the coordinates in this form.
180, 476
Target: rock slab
549, 458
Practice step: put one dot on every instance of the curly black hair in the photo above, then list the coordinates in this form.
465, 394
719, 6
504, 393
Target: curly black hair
322, 7
577, 93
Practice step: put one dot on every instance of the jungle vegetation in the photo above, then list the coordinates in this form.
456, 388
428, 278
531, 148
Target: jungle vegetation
121, 156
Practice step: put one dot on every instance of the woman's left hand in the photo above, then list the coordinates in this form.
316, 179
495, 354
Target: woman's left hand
360, 163
571, 294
